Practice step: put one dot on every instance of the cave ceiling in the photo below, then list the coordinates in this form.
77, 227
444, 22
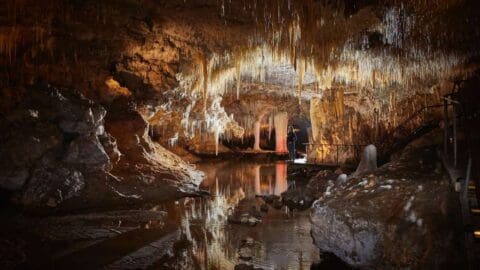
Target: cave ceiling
182, 57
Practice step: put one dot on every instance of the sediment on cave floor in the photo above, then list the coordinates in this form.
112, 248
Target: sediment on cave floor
212, 134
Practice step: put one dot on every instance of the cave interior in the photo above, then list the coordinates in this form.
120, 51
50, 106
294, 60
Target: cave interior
240, 134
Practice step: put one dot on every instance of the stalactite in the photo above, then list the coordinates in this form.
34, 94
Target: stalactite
301, 73
334, 48
270, 126
281, 125
238, 69
205, 81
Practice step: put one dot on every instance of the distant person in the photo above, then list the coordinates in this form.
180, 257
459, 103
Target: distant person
291, 140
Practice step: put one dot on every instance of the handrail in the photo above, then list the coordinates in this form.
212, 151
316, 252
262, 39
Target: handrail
336, 158
333, 144
404, 123
381, 142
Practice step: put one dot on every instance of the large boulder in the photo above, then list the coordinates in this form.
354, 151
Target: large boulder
402, 215
51, 139
58, 148
71, 110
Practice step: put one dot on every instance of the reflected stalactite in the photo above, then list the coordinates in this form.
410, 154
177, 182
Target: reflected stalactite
281, 184
258, 190
214, 243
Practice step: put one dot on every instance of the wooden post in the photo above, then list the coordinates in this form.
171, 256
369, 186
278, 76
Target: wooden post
445, 127
464, 202
454, 123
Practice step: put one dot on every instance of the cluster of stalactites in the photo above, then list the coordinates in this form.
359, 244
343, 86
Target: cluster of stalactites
316, 37
11, 38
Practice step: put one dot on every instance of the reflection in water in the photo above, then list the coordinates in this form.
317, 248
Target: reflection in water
266, 187
280, 178
282, 241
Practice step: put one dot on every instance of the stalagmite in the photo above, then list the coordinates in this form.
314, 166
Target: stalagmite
256, 130
281, 125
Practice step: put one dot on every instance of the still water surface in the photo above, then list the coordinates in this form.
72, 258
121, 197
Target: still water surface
281, 241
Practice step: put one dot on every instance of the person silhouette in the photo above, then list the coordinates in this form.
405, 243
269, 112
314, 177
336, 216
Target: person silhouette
291, 140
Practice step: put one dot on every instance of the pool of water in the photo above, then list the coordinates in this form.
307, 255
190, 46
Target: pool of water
199, 229
280, 241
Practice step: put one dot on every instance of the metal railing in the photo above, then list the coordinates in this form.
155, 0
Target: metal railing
334, 154
408, 123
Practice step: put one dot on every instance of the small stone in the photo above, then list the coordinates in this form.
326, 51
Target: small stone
51, 202
245, 253
244, 218
385, 187
249, 241
342, 178
419, 222
277, 204
252, 221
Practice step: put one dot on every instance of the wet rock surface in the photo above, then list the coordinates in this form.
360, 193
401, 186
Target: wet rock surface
152, 170
307, 184
134, 239
56, 149
247, 212
51, 140
244, 266
400, 215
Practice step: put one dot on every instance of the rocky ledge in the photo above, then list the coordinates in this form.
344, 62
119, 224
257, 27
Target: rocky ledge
62, 149
400, 216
